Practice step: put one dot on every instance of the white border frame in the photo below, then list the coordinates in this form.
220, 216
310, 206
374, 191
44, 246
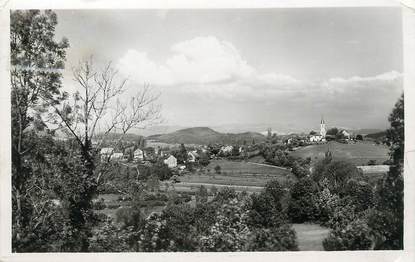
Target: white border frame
408, 20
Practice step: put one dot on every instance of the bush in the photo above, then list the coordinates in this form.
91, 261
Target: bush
326, 203
302, 206
99, 205
218, 169
361, 194
265, 212
354, 236
276, 239
129, 217
371, 162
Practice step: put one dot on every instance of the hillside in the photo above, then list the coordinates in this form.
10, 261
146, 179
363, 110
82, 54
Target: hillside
379, 135
206, 135
358, 154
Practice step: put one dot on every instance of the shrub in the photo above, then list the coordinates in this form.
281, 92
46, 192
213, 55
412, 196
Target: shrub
371, 162
361, 194
276, 239
326, 204
218, 169
302, 206
265, 212
99, 205
129, 217
354, 236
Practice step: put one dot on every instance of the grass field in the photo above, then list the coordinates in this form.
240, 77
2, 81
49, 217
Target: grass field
358, 154
240, 175
310, 236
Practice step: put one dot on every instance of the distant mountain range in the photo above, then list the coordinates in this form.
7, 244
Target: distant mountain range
206, 135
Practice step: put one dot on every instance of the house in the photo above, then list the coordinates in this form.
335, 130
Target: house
116, 156
106, 153
316, 138
192, 156
226, 149
345, 134
171, 161
138, 155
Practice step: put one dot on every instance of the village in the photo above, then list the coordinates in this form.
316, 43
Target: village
228, 133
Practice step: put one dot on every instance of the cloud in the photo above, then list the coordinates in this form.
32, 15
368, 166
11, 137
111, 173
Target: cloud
211, 68
203, 65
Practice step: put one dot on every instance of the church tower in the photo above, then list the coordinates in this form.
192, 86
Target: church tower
323, 130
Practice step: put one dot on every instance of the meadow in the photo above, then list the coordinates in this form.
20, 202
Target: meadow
359, 153
240, 175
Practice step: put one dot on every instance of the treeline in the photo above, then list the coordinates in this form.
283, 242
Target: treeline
231, 221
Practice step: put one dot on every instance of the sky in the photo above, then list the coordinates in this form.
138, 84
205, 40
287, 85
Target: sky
247, 69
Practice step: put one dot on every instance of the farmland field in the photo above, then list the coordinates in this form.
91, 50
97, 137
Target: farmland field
240, 175
359, 153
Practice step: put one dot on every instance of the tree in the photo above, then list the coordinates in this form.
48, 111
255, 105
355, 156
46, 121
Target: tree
204, 159
202, 195
359, 137
181, 154
218, 169
333, 131
387, 220
302, 206
336, 173
274, 239
354, 236
91, 114
37, 60
230, 231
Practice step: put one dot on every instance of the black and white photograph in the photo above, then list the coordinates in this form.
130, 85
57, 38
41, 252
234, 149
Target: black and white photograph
207, 129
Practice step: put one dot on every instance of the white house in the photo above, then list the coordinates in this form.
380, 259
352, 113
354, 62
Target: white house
116, 156
138, 155
226, 149
106, 153
345, 134
316, 138
171, 161
191, 156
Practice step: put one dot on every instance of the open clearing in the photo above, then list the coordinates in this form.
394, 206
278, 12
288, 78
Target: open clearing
359, 153
310, 236
240, 175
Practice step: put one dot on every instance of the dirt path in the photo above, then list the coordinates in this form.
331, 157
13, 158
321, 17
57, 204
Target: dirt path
310, 236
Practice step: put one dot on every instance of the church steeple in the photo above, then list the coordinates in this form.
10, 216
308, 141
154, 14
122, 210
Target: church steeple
323, 127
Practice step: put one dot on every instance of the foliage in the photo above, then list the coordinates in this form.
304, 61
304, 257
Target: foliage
333, 131
36, 60
181, 154
336, 173
353, 236
387, 219
230, 231
202, 195
360, 193
217, 169
302, 206
204, 159
327, 204
274, 239
109, 238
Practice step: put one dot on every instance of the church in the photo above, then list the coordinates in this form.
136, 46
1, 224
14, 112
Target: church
323, 132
